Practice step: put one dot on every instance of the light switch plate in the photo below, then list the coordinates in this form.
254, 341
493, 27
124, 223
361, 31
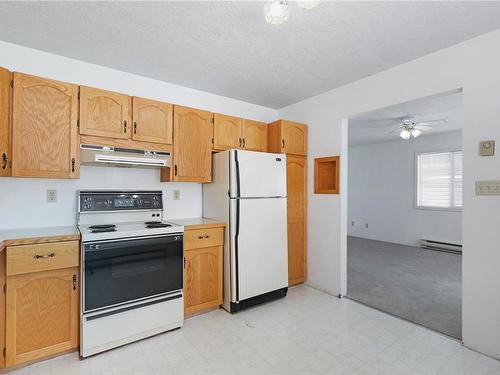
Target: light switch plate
488, 187
487, 148
51, 196
176, 195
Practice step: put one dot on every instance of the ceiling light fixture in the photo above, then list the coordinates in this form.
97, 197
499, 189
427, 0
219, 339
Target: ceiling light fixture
415, 133
405, 134
276, 12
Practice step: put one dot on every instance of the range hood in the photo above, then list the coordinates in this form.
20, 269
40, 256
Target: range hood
122, 157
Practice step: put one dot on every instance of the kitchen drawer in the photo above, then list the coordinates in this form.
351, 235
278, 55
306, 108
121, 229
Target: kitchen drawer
42, 257
199, 238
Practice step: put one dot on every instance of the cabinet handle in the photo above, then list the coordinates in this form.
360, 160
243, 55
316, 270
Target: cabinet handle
283, 143
125, 126
74, 282
135, 127
203, 237
184, 262
175, 169
243, 139
239, 140
5, 160
50, 255
73, 162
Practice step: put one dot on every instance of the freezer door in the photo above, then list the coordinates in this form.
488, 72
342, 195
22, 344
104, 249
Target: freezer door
261, 251
257, 174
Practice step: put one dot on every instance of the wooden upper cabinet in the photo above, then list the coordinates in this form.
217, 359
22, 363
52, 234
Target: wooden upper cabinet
254, 135
104, 113
5, 101
44, 128
192, 145
227, 132
152, 121
296, 175
287, 137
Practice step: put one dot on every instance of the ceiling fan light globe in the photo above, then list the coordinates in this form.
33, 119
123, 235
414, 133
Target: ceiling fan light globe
415, 133
405, 134
276, 12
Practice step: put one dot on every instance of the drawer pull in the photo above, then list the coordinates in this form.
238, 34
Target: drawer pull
50, 255
203, 237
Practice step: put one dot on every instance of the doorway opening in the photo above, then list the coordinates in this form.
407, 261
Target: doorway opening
404, 211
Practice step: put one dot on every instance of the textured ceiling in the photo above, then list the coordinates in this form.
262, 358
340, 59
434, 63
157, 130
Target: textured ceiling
227, 48
377, 126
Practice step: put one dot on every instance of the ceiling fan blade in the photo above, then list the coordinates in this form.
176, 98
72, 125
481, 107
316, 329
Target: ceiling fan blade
433, 122
423, 127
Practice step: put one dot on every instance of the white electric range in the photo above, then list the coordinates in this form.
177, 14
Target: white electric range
132, 268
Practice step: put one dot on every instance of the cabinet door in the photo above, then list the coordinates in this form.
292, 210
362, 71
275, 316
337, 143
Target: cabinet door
104, 113
2, 307
296, 175
254, 134
44, 128
227, 132
5, 97
202, 279
42, 314
192, 148
152, 121
293, 138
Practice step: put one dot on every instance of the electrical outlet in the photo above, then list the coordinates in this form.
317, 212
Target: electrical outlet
51, 196
366, 225
176, 195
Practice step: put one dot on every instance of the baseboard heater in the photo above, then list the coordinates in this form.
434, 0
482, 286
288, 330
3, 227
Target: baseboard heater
441, 246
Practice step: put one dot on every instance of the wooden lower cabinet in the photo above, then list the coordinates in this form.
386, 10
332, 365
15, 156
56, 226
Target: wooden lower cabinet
202, 270
296, 167
42, 300
42, 314
2, 307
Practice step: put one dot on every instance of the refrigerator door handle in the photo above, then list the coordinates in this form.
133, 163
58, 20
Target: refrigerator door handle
237, 167
236, 249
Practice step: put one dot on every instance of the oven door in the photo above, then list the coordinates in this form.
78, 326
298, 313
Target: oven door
120, 271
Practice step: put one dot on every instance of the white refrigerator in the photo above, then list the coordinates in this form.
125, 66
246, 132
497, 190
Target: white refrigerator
248, 191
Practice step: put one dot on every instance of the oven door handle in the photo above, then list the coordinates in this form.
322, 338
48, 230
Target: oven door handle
109, 245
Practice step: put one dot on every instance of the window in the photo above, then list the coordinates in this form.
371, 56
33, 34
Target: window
439, 180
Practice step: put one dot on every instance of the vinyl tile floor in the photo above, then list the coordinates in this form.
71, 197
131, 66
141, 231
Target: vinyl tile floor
308, 332
423, 286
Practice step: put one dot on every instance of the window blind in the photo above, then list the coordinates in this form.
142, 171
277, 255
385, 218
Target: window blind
439, 181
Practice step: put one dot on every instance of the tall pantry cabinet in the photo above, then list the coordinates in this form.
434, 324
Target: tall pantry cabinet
291, 138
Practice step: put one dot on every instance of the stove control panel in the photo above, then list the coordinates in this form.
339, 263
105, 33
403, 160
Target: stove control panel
119, 201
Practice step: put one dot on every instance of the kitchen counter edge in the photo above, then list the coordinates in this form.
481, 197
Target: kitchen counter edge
31, 236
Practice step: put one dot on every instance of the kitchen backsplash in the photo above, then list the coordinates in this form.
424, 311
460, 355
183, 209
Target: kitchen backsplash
23, 201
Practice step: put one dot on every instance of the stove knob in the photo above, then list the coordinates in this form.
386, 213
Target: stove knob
139, 201
108, 202
87, 205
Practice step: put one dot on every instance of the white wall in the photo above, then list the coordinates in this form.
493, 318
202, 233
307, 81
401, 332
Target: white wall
473, 66
20, 197
382, 192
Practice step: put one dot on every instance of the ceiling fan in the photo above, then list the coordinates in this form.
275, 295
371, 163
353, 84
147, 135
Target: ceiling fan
409, 127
